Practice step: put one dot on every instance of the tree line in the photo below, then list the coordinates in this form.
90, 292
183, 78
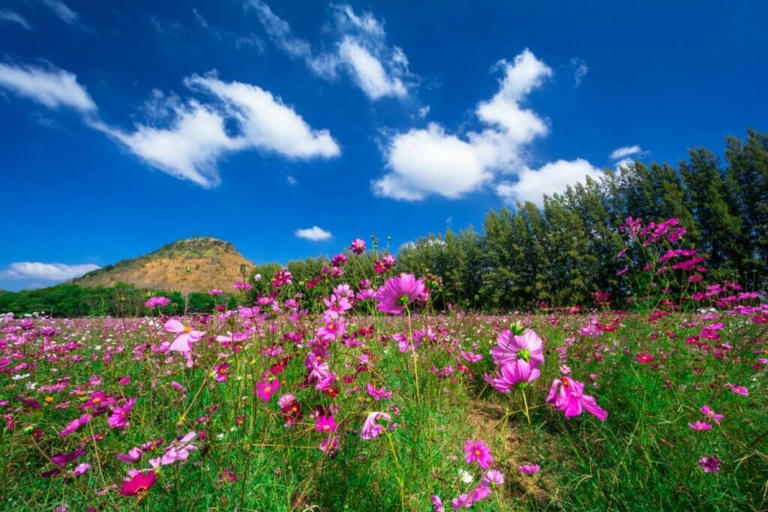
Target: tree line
558, 254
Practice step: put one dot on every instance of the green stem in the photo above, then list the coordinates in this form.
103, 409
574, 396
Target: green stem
525, 404
399, 470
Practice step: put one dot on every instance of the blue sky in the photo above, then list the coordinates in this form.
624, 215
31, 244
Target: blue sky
128, 125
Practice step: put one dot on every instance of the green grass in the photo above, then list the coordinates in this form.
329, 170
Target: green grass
643, 457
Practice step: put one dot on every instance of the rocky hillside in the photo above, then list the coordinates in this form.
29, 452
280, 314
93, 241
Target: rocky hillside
188, 265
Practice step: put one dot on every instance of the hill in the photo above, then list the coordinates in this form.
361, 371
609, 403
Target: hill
187, 265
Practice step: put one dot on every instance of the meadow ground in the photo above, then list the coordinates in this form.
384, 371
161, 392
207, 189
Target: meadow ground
269, 408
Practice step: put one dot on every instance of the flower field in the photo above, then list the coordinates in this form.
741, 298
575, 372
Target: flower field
371, 400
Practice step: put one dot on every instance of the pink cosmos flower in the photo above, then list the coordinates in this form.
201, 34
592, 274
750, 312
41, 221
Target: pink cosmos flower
154, 302
477, 450
378, 394
80, 469
437, 504
357, 245
739, 390
221, 371
267, 387
325, 424
493, 477
215, 292
644, 358
707, 411
133, 455
526, 347
371, 429
75, 425
529, 469
709, 464
185, 336
176, 451
567, 394
515, 374
699, 425
119, 417
398, 292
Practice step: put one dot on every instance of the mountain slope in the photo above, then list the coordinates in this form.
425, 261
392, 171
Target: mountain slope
188, 265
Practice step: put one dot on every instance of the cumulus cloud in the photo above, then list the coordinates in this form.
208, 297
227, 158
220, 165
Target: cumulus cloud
50, 86
45, 271
315, 233
9, 16
266, 122
189, 149
425, 161
360, 49
552, 178
63, 11
197, 138
625, 151
429, 161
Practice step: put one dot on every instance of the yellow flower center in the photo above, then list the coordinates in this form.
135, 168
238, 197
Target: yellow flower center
267, 389
187, 329
96, 400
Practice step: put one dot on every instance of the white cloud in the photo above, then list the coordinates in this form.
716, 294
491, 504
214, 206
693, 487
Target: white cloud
554, 177
46, 271
625, 151
431, 161
52, 87
315, 233
580, 70
188, 150
368, 71
201, 19
360, 49
266, 122
291, 180
63, 11
14, 17
197, 138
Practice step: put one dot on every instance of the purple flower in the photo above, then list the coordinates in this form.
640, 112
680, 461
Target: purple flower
699, 425
709, 464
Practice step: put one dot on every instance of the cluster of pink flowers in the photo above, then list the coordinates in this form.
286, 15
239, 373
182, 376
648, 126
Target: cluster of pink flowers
518, 357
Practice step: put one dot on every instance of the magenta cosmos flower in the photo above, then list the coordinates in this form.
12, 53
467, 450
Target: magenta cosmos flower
140, 483
398, 292
709, 464
267, 387
567, 394
185, 336
477, 450
357, 246
709, 412
526, 347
